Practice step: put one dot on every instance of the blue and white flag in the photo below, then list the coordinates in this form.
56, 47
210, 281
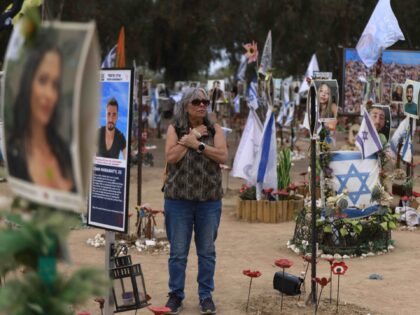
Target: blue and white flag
367, 140
154, 117
111, 57
358, 175
237, 104
407, 149
290, 114
240, 75
252, 95
264, 170
381, 31
282, 113
400, 134
248, 148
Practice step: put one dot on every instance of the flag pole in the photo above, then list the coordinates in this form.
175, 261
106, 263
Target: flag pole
139, 148
312, 94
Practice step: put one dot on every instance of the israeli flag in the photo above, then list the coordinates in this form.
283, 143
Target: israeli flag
400, 134
367, 139
282, 113
265, 167
252, 95
111, 57
407, 149
358, 175
248, 148
290, 114
381, 31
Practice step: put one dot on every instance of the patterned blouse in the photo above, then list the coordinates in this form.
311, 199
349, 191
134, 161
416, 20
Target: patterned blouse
195, 176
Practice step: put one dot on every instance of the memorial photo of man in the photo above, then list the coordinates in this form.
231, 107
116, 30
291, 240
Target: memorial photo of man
111, 140
381, 119
410, 107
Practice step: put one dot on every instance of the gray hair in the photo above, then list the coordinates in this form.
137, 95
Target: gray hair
181, 114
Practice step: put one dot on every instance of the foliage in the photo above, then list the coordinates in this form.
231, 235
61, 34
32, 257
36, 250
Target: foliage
32, 296
248, 193
284, 164
43, 235
180, 38
34, 240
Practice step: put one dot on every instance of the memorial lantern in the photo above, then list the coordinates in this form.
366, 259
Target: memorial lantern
128, 288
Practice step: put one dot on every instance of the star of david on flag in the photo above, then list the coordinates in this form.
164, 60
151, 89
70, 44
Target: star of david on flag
367, 139
358, 175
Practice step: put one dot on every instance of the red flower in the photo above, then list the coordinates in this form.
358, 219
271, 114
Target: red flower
323, 281
416, 194
283, 263
268, 190
159, 310
251, 274
339, 268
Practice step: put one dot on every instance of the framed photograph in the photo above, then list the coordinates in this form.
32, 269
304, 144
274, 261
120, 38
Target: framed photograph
108, 202
397, 92
327, 99
49, 92
381, 119
411, 98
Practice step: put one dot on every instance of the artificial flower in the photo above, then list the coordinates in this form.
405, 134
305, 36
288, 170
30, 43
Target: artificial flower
322, 281
251, 51
159, 310
339, 268
283, 263
251, 274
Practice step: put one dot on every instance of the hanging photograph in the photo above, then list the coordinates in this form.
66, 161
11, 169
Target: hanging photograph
327, 99
381, 119
397, 92
44, 93
108, 202
411, 98
216, 89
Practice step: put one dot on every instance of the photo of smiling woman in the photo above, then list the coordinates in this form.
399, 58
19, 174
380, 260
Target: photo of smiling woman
35, 150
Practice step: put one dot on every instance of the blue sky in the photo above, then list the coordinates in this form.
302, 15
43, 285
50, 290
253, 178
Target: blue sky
121, 92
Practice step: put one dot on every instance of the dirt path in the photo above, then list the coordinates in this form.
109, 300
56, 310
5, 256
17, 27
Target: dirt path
242, 245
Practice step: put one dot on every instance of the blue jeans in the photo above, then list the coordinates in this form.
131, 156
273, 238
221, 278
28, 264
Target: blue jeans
181, 217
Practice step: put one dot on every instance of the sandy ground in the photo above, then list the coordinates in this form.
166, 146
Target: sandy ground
242, 245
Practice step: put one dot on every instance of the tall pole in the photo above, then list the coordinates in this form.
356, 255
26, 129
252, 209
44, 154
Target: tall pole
312, 94
139, 139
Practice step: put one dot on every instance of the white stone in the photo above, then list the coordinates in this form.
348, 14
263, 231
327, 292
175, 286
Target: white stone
337, 256
390, 247
370, 254
346, 257
364, 255
297, 251
323, 256
150, 243
329, 256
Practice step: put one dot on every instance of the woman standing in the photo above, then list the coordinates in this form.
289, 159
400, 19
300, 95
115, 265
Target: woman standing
35, 152
194, 149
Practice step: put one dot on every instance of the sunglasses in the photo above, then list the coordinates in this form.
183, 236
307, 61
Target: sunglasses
197, 102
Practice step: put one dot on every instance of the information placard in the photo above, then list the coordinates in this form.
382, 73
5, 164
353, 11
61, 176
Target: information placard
108, 201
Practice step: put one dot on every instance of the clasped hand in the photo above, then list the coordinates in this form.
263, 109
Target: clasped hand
191, 140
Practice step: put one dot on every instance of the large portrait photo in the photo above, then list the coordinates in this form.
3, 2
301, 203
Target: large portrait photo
40, 100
